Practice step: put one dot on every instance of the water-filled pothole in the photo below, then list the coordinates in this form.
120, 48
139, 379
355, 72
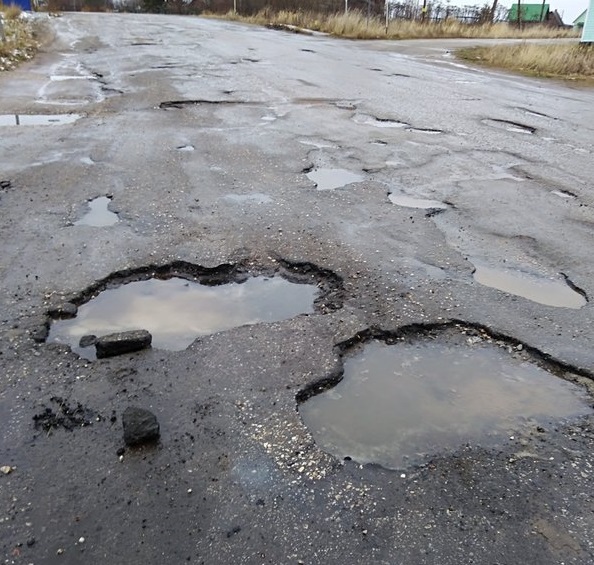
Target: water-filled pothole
508, 125
374, 121
412, 202
329, 179
398, 404
37, 119
177, 311
99, 214
180, 301
561, 293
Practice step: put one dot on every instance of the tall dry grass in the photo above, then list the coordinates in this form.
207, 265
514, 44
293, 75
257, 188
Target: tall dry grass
10, 12
19, 43
355, 25
565, 60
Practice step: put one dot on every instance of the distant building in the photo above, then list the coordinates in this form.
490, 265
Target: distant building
531, 14
588, 31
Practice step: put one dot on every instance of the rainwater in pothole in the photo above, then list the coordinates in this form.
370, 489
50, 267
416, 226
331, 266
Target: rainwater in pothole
37, 119
398, 404
411, 202
378, 122
177, 311
329, 179
551, 292
99, 214
251, 198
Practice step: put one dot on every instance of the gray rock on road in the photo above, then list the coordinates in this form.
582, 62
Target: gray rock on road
122, 342
140, 426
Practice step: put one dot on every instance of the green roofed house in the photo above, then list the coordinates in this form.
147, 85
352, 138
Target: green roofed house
578, 23
534, 14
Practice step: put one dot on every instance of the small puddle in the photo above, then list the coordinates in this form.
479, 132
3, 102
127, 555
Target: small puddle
551, 292
563, 194
177, 311
509, 126
99, 214
378, 122
410, 202
329, 179
426, 131
398, 404
37, 119
252, 198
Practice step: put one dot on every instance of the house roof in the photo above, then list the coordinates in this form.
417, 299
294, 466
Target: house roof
581, 18
529, 12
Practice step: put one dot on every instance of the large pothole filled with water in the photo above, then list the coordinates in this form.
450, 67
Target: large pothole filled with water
177, 305
400, 400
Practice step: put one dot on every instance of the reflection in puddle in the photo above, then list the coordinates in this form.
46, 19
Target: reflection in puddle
410, 202
37, 119
398, 403
551, 292
329, 179
99, 214
176, 311
378, 122
252, 198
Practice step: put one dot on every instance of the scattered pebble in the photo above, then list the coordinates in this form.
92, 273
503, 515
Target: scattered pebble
6, 469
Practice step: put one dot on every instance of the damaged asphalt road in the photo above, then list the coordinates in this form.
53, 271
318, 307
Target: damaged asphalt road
467, 212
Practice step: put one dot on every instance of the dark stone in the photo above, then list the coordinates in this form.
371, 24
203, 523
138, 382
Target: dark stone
120, 451
64, 311
123, 342
40, 334
30, 542
87, 340
140, 426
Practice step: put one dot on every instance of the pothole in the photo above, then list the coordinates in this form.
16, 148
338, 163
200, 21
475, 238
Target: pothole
329, 179
563, 194
401, 400
99, 214
560, 293
508, 125
179, 104
179, 303
251, 198
38, 119
426, 131
412, 202
367, 120
186, 148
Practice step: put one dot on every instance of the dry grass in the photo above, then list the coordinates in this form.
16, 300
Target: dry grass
566, 60
355, 25
20, 43
11, 12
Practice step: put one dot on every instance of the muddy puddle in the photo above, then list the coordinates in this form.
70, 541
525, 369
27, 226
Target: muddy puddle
399, 404
38, 119
411, 202
99, 214
329, 179
559, 293
177, 311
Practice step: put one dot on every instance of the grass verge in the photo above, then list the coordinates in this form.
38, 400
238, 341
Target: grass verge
355, 25
19, 43
569, 61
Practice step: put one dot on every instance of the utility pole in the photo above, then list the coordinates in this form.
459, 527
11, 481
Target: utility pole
493, 10
542, 11
346, 7
424, 11
520, 14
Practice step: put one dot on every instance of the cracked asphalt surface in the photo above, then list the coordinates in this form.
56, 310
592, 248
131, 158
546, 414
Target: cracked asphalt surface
201, 133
